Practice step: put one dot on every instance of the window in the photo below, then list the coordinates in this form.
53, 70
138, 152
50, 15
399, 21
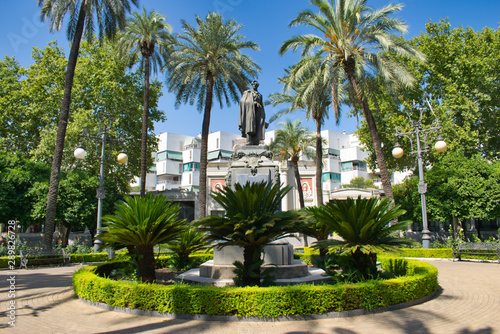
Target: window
332, 177
190, 167
217, 143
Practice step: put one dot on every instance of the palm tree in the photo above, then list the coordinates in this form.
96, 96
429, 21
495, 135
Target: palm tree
251, 221
207, 63
365, 229
147, 36
140, 223
109, 15
293, 140
351, 40
306, 86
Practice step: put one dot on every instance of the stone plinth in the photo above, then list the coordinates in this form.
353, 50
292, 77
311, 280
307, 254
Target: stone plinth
277, 255
252, 164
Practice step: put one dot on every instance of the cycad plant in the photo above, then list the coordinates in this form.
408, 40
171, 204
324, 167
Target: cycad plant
189, 241
252, 220
365, 228
140, 223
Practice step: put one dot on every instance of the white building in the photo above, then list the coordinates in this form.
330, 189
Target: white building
177, 166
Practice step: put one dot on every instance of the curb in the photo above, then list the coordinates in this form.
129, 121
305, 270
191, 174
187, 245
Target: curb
232, 318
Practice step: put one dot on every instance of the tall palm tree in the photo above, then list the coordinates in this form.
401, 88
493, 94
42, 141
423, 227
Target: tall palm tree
109, 15
208, 63
293, 140
306, 87
352, 41
147, 36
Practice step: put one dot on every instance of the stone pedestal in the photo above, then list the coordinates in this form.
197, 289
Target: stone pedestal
252, 164
277, 255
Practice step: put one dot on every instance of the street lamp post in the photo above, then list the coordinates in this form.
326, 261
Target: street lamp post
80, 153
420, 133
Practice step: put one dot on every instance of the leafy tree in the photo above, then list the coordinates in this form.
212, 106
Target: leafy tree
365, 229
360, 182
114, 91
147, 36
251, 220
10, 103
352, 38
17, 176
305, 86
108, 15
207, 63
293, 140
407, 196
462, 188
142, 223
460, 76
77, 203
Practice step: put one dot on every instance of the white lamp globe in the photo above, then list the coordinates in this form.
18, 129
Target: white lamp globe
440, 146
122, 158
80, 153
397, 152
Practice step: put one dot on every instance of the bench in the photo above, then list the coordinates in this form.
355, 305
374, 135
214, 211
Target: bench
476, 248
43, 256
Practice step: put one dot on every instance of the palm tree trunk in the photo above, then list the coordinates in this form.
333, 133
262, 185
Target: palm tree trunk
249, 256
297, 181
202, 200
145, 116
319, 164
61, 131
146, 264
384, 173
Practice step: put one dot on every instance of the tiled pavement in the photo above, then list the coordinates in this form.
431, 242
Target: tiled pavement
469, 303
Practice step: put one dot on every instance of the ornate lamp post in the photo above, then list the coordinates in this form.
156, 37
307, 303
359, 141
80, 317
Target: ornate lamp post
420, 133
80, 153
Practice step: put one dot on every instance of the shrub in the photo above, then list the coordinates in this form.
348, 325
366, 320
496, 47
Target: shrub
420, 280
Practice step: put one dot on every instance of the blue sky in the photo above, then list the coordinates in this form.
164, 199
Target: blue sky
265, 23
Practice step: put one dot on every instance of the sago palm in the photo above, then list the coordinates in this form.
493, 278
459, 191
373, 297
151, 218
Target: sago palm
83, 16
364, 226
147, 36
353, 41
208, 63
291, 142
142, 223
251, 220
189, 241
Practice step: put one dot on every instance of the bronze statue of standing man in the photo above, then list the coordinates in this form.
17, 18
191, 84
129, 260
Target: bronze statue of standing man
252, 122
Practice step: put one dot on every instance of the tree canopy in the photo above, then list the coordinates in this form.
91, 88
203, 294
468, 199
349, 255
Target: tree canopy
461, 77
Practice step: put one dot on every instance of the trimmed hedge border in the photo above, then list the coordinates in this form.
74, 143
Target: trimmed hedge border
418, 284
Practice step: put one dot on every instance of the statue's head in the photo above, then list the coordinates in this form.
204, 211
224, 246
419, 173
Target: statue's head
255, 84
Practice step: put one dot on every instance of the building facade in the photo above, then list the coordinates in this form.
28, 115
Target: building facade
177, 167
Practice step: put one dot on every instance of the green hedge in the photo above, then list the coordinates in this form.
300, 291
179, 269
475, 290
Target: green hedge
442, 253
420, 280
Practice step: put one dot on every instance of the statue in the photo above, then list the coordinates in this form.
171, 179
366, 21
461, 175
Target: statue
252, 122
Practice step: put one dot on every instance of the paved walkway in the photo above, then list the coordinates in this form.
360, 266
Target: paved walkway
469, 303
